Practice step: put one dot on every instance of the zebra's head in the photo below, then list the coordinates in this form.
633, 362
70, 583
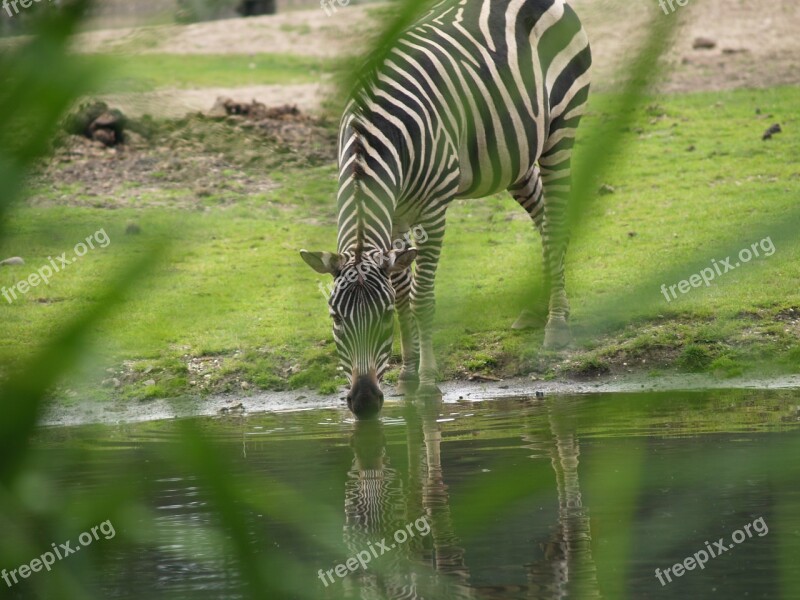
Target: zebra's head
361, 304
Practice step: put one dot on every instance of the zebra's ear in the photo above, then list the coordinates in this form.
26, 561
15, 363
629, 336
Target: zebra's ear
399, 260
322, 262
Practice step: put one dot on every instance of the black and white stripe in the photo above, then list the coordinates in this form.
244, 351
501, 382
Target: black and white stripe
475, 98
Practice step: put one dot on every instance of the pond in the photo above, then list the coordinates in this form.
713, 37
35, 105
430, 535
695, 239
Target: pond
658, 495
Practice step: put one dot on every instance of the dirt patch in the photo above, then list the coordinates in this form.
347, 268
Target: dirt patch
749, 44
192, 163
755, 45
755, 41
303, 32
174, 103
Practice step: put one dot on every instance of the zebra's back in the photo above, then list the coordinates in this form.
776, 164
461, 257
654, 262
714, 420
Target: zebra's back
469, 95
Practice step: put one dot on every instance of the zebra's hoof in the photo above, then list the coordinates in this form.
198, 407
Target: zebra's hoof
528, 320
428, 391
407, 385
557, 335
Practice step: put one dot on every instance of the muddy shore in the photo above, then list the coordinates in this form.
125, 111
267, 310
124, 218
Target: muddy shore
84, 413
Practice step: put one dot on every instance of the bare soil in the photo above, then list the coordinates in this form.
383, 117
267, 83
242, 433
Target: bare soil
756, 45
190, 163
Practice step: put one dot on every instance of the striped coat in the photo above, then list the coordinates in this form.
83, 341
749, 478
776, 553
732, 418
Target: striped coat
477, 97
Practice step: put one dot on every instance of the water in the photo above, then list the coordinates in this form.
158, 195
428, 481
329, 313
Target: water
523, 498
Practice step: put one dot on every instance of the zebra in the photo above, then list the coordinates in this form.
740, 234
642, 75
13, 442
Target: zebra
476, 97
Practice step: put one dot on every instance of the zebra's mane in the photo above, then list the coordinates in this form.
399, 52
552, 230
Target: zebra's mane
358, 176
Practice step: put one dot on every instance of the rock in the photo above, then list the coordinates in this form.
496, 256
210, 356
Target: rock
771, 131
606, 189
79, 122
244, 385
219, 109
13, 261
107, 137
253, 111
704, 43
98, 122
150, 383
479, 377
237, 408
111, 119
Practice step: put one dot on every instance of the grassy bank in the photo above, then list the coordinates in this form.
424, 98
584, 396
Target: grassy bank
235, 309
148, 72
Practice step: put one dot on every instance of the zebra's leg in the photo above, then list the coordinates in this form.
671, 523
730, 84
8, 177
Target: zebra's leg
528, 193
423, 301
409, 336
555, 165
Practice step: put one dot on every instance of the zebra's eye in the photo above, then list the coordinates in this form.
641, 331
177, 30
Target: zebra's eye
337, 320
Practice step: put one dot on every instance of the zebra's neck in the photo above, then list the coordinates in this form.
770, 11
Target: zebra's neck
370, 183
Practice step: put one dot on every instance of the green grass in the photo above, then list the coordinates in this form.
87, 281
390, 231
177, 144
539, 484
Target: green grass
147, 72
235, 288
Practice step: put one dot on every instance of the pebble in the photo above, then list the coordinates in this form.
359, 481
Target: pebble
14, 260
704, 43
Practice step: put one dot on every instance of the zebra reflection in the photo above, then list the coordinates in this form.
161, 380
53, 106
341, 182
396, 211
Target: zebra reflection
567, 569
381, 500
374, 510
379, 503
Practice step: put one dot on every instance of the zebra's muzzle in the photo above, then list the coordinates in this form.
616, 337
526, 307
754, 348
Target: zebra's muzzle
365, 399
